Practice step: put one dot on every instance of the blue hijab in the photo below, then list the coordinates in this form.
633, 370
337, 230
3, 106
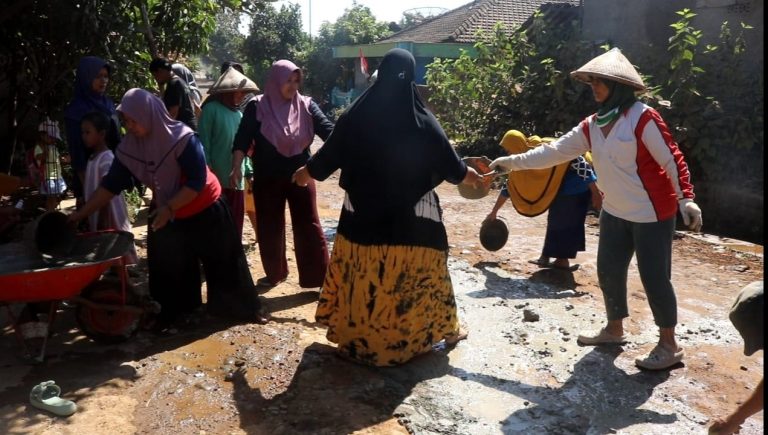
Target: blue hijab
85, 99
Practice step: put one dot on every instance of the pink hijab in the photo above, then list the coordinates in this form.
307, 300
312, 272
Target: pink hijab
153, 159
286, 124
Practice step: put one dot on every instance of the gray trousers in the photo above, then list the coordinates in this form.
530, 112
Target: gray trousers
652, 243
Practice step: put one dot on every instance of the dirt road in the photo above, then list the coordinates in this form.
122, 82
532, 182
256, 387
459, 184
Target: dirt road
513, 375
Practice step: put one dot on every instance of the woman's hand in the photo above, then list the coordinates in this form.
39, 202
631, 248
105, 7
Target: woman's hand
597, 202
235, 177
691, 214
504, 164
597, 197
472, 178
75, 217
161, 216
301, 177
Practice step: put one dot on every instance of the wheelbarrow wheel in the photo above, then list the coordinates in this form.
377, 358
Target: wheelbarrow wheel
107, 326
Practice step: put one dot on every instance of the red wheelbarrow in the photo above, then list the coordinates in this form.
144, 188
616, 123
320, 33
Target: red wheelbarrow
106, 309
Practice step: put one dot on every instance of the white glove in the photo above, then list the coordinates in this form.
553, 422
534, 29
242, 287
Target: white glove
503, 164
691, 214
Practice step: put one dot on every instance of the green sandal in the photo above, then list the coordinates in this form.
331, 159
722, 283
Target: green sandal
46, 397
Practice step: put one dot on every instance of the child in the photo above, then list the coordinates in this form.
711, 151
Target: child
114, 215
48, 160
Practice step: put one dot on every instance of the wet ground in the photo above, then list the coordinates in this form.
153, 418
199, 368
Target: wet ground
520, 370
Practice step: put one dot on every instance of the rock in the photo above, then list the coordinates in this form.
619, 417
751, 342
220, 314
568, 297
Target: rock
739, 268
530, 316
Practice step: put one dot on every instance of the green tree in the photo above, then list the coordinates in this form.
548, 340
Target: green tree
356, 26
516, 81
43, 42
274, 34
226, 42
411, 19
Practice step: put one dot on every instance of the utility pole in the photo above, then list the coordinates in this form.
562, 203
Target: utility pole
310, 20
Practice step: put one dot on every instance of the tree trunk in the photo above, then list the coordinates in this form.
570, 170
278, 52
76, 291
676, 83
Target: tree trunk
148, 30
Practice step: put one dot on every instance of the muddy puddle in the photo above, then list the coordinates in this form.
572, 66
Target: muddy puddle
519, 372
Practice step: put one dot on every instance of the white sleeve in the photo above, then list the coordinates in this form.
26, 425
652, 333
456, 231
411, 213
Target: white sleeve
566, 148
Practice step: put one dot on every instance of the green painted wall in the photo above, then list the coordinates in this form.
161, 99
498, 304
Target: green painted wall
441, 50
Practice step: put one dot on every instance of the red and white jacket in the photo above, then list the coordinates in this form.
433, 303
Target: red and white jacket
639, 167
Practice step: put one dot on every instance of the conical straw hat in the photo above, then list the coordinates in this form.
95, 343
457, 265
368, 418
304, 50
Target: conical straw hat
532, 190
232, 81
611, 65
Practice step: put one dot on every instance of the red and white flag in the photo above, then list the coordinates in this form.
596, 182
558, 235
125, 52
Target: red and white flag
363, 63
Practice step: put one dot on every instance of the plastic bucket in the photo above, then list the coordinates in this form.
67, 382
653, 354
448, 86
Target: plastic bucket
50, 234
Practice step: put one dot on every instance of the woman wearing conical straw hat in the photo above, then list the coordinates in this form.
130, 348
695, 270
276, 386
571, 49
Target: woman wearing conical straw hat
645, 181
218, 125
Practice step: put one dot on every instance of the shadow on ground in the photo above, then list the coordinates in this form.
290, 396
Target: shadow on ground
365, 396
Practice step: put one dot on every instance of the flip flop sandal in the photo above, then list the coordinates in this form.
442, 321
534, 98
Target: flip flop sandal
454, 338
265, 282
45, 396
659, 359
571, 268
540, 263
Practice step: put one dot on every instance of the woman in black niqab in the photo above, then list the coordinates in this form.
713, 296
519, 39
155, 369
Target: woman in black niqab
391, 240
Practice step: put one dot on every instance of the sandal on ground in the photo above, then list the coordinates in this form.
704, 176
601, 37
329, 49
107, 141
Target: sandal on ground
265, 282
540, 262
602, 336
660, 358
262, 318
451, 339
571, 268
45, 396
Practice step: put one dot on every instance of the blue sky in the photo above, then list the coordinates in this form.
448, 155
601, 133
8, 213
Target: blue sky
383, 10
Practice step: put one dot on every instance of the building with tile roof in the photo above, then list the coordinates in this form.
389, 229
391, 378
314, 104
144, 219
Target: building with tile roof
447, 34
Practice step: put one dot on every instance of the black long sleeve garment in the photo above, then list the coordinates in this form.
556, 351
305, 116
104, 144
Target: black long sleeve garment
267, 161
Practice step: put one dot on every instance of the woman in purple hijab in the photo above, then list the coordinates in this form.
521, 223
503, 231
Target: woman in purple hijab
90, 95
190, 222
281, 124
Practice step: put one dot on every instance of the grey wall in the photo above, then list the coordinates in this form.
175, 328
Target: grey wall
641, 27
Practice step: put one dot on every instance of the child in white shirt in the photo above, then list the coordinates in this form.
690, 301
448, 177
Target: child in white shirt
114, 215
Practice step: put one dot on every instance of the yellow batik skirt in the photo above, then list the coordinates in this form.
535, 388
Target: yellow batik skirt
385, 304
